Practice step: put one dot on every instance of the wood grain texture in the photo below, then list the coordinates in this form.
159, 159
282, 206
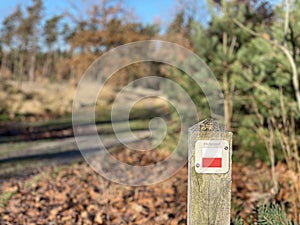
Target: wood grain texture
209, 196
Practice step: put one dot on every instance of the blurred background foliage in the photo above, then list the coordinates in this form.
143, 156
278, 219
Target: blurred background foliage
251, 46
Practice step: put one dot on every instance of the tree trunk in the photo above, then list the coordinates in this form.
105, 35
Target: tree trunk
3, 62
33, 59
227, 102
46, 66
15, 64
32, 67
21, 68
55, 60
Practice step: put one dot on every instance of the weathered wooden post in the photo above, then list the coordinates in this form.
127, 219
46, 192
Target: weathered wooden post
209, 188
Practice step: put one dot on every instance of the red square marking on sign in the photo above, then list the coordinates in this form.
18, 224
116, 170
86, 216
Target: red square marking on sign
212, 162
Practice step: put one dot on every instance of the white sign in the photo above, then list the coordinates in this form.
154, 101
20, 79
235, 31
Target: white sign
212, 156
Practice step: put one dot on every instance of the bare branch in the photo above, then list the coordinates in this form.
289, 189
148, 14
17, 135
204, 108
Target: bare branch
224, 42
246, 28
294, 73
232, 45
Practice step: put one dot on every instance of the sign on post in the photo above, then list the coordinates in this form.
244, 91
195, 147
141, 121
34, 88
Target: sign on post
209, 185
212, 156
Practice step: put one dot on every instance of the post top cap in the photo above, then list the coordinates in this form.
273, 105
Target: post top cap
211, 124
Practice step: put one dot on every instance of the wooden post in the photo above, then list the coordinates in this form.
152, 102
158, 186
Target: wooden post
209, 193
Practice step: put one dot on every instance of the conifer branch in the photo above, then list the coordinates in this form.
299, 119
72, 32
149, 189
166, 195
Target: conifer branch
287, 53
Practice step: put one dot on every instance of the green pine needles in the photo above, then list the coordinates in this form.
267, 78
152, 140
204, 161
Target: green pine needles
269, 214
238, 221
272, 215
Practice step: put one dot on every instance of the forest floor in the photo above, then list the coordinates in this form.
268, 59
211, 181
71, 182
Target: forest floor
76, 194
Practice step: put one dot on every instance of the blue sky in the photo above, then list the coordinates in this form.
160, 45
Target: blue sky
150, 10
146, 10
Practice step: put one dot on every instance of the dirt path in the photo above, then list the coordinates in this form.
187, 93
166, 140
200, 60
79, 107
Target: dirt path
55, 152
